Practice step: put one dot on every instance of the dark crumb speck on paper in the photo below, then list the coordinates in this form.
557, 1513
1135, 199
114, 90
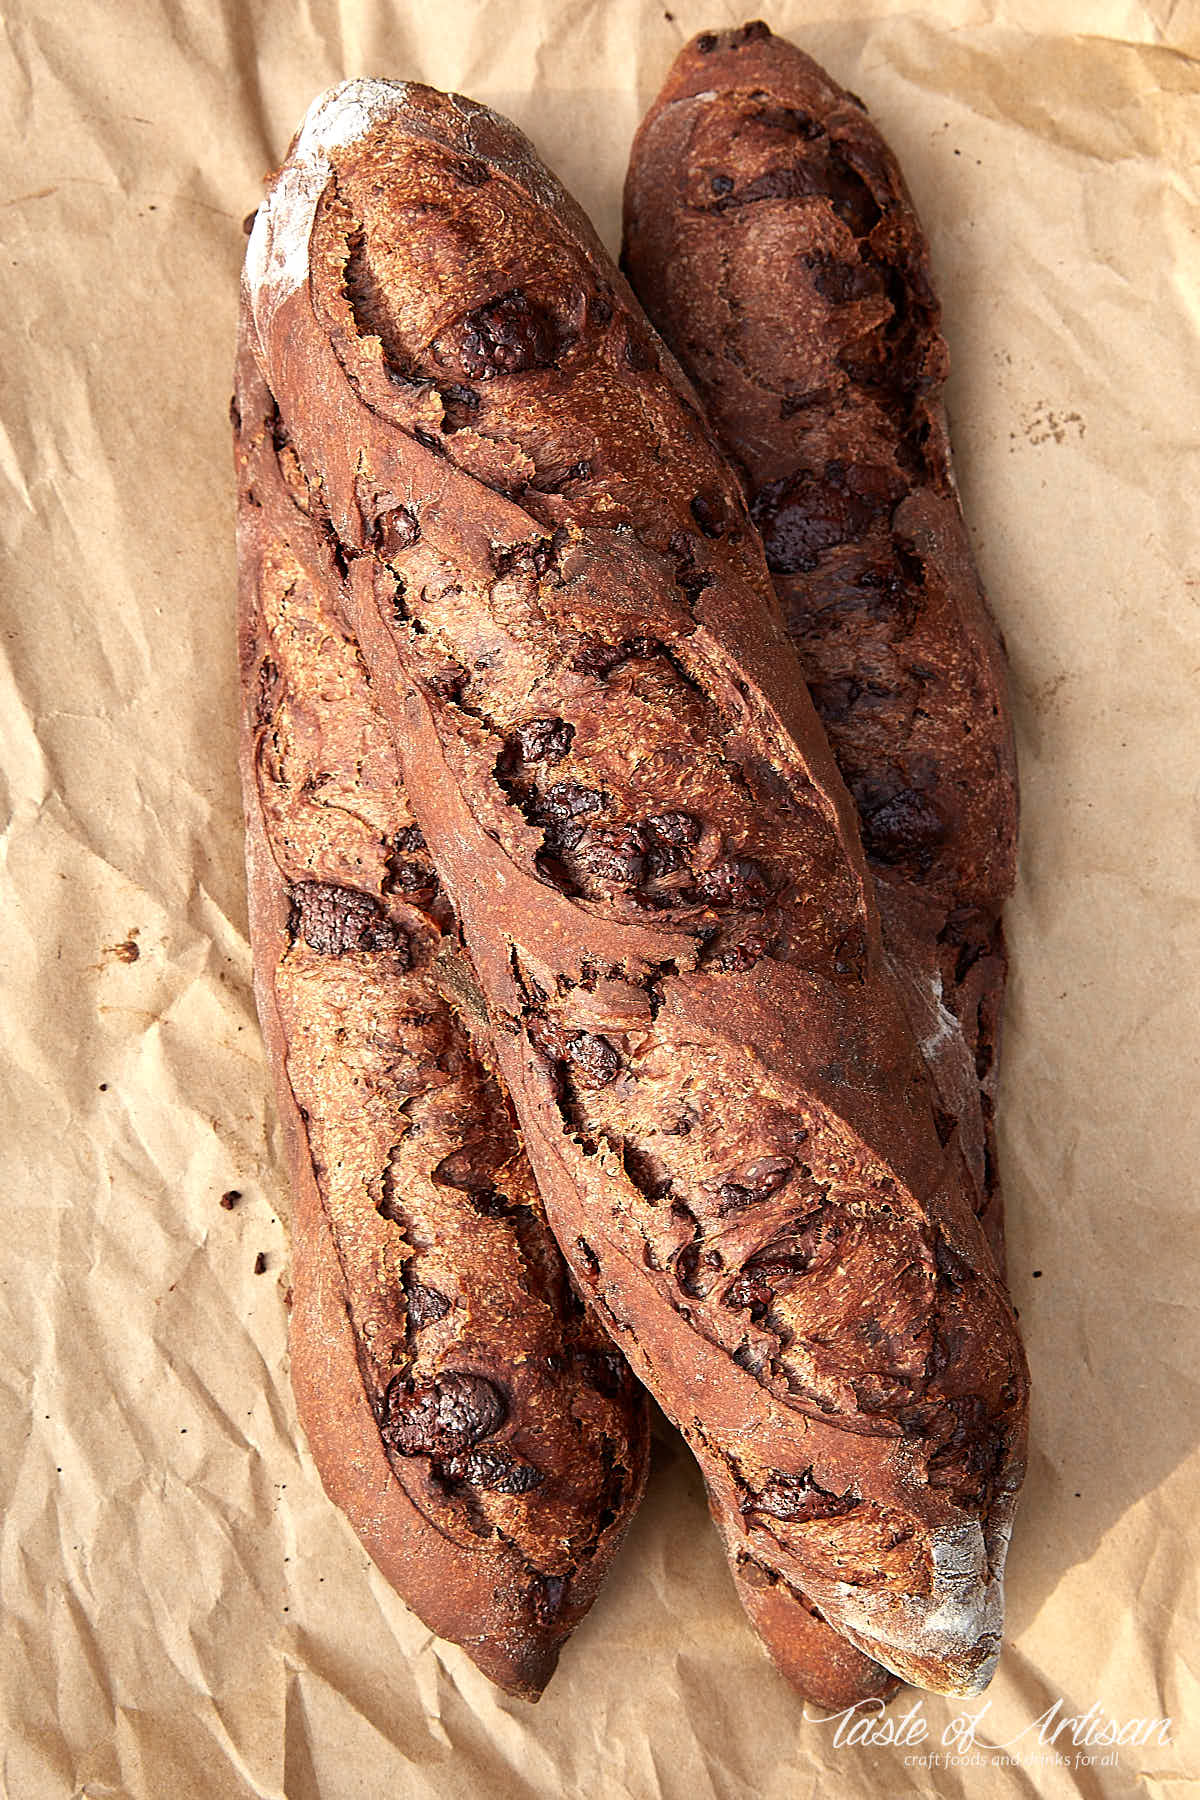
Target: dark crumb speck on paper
260, 1263
1037, 1274
230, 1198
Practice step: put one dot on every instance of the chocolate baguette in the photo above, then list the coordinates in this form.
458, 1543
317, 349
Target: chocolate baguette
626, 792
772, 241
814, 344
462, 1407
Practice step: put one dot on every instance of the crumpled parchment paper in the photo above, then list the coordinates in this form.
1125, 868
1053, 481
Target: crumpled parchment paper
183, 1612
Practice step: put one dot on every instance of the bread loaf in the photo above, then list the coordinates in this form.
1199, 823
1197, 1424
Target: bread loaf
462, 1407
771, 238
571, 630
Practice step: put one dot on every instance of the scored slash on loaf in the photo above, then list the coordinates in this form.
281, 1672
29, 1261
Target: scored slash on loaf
609, 749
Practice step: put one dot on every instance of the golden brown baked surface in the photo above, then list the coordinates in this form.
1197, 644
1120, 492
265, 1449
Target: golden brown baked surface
614, 762
462, 1406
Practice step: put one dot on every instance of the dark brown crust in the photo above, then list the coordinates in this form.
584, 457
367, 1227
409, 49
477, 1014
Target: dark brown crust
817, 1660
461, 1405
802, 305
707, 1054
771, 238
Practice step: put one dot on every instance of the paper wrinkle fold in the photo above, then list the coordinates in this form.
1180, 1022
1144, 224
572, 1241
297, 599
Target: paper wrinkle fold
158, 1506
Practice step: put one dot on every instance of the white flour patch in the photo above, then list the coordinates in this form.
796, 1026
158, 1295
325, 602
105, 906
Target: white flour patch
947, 1027
949, 456
278, 250
956, 1628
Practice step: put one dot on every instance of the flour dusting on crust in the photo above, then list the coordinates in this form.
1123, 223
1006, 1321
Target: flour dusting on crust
277, 254
947, 1641
947, 1029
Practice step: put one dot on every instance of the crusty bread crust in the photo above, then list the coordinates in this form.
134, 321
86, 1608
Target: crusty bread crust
771, 238
656, 867
462, 1407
